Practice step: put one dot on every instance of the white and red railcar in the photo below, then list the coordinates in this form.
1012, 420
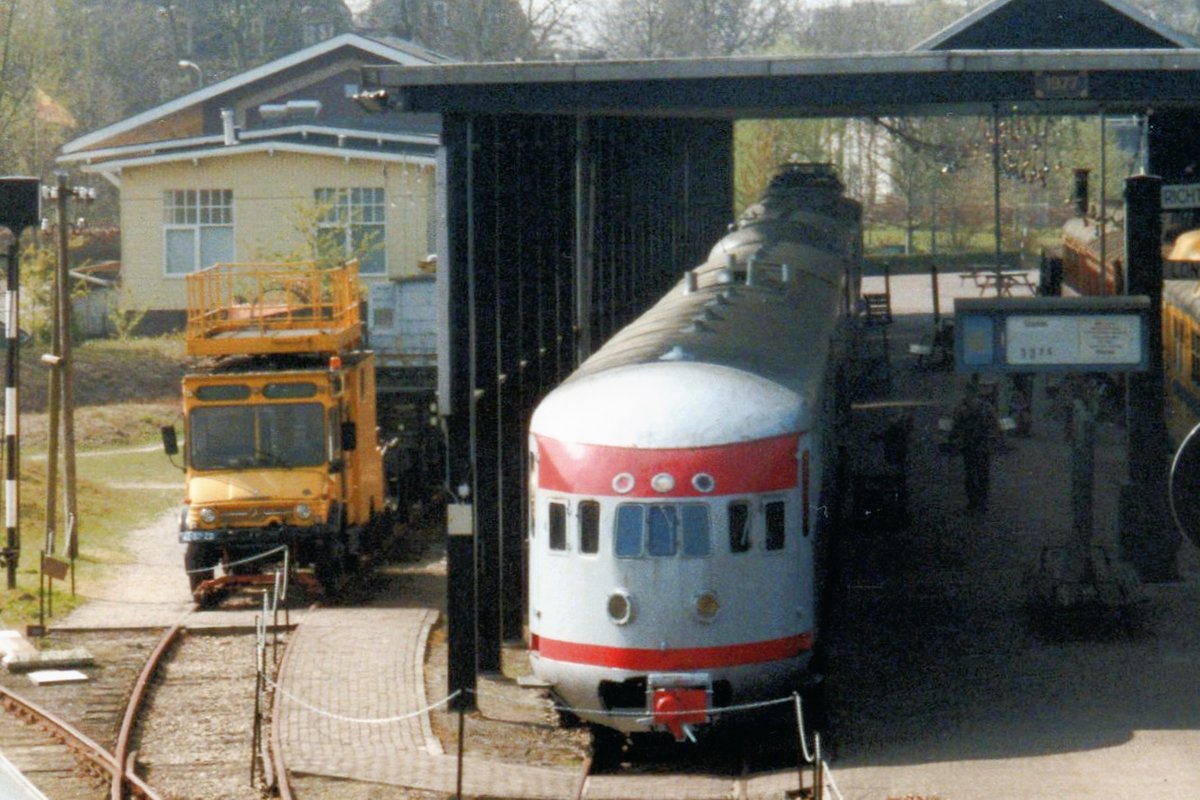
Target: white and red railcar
680, 478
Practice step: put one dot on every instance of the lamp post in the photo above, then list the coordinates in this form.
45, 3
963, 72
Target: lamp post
185, 64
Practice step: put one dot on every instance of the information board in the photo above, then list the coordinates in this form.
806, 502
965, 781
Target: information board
1052, 334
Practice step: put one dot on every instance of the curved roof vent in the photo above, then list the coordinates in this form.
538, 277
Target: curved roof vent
676, 353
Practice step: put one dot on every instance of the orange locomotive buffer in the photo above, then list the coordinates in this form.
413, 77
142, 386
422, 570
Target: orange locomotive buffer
678, 709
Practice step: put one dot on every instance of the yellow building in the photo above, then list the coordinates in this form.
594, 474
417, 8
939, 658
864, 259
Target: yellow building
262, 165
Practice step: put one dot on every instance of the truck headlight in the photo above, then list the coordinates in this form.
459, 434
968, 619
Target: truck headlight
303, 511
208, 515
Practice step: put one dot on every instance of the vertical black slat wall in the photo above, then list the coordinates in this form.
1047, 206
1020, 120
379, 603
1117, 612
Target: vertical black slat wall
513, 325
455, 361
489, 262
511, 250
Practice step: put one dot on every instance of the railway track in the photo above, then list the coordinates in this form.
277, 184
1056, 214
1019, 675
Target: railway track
164, 714
722, 766
69, 762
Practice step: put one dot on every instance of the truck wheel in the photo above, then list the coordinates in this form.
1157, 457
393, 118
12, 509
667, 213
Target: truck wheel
199, 560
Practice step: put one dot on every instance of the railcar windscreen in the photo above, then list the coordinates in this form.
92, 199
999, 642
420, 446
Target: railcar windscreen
661, 530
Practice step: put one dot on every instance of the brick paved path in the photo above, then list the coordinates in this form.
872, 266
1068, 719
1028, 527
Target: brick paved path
346, 666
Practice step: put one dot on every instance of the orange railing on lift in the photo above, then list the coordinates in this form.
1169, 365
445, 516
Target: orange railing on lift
261, 308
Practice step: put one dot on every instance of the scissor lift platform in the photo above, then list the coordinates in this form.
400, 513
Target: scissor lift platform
271, 309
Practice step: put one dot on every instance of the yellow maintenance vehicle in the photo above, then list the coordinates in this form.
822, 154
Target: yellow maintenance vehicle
280, 444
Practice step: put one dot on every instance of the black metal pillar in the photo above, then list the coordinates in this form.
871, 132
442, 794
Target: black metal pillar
486, 379
455, 371
1148, 539
509, 226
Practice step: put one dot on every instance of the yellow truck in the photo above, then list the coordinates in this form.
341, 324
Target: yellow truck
280, 443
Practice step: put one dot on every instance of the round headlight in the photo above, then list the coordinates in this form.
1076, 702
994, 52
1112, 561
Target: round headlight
707, 605
623, 483
703, 482
620, 608
208, 515
663, 482
303, 511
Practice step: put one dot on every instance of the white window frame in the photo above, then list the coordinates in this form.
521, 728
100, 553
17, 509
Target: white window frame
349, 208
195, 211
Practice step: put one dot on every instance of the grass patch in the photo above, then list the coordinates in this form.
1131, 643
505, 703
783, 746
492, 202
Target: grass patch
118, 490
124, 392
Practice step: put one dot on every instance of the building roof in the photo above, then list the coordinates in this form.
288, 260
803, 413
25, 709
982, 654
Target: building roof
191, 124
1062, 24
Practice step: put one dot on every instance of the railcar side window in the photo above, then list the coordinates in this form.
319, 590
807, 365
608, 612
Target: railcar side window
775, 525
558, 526
739, 527
589, 526
629, 531
696, 539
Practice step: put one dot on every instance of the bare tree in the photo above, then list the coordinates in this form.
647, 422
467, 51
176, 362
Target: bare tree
480, 30
673, 28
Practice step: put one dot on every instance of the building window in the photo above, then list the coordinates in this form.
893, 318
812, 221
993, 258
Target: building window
352, 222
197, 229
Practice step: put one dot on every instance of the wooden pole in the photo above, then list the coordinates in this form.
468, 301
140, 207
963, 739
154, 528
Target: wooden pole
68, 395
55, 362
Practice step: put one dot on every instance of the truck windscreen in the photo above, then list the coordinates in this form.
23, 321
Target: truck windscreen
251, 436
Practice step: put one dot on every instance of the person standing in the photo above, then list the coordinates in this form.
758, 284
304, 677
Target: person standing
975, 432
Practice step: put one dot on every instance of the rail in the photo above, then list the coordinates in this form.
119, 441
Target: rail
261, 308
80, 743
122, 755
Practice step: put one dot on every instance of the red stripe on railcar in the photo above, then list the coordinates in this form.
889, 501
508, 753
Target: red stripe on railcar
765, 465
686, 658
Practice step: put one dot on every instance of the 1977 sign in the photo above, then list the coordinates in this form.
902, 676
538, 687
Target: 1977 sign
1062, 85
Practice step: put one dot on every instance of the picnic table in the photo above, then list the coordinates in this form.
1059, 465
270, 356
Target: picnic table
988, 279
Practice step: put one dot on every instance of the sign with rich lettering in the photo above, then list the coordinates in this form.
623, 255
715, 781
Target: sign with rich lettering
1180, 195
1052, 334
1101, 339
